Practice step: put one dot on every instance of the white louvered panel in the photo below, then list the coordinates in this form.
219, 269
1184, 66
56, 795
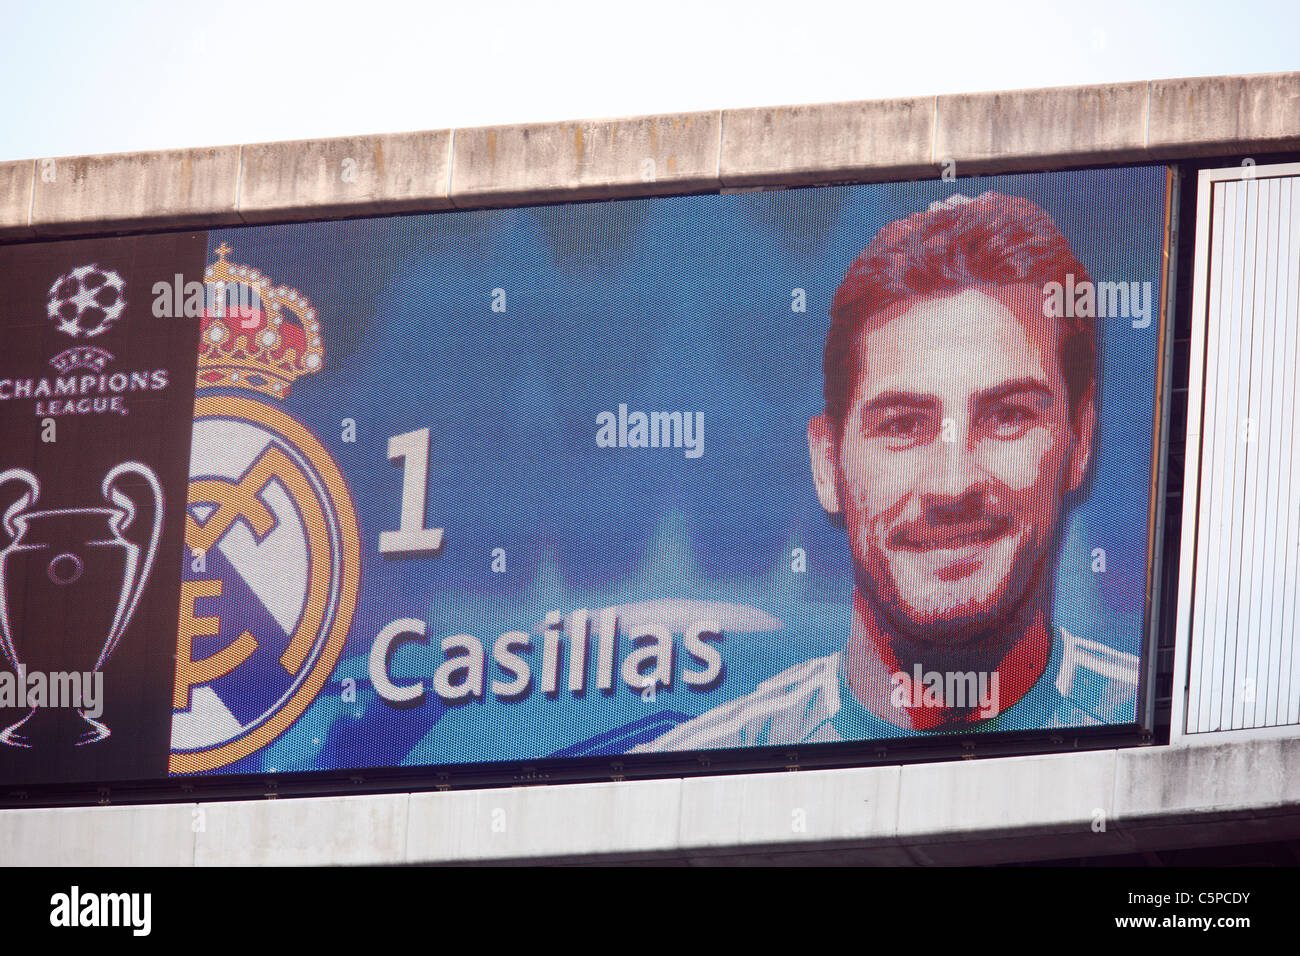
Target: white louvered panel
1238, 656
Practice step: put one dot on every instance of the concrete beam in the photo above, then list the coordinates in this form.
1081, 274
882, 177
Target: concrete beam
584, 821
796, 145
326, 831
786, 812
1042, 807
651, 155
598, 159
122, 192
1039, 129
1208, 779
16, 199
1041, 792
1243, 114
350, 176
159, 835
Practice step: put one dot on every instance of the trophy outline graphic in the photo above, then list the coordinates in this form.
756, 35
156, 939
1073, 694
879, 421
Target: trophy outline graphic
119, 516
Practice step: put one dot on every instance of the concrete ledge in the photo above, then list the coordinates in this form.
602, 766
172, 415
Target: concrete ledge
1031, 129
1039, 129
325, 831
1209, 778
350, 176
161, 835
176, 189
788, 811
1051, 806
551, 162
16, 199
584, 820
1039, 794
1236, 113
795, 145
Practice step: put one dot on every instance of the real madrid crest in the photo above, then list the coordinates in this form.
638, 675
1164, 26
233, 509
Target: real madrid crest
271, 581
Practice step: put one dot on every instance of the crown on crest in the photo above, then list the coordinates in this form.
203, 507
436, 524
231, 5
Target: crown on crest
265, 341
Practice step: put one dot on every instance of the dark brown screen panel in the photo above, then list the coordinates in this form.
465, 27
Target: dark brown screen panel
96, 408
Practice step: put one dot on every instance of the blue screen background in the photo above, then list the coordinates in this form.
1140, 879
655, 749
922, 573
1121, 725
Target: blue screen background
660, 304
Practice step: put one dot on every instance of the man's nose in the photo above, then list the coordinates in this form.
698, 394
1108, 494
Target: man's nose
955, 482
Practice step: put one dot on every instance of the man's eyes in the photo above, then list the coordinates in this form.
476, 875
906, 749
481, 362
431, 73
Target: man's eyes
902, 426
907, 430
1011, 414
1011, 421
1003, 422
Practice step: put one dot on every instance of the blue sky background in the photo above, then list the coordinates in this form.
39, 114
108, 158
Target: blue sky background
151, 74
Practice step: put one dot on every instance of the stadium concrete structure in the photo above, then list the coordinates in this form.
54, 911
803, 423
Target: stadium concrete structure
1193, 786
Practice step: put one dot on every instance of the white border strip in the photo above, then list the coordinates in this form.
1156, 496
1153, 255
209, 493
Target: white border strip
1200, 323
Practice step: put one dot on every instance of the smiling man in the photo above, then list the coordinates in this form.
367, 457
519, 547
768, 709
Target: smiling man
958, 426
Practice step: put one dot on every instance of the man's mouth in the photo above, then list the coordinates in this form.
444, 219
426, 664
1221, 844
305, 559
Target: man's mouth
952, 537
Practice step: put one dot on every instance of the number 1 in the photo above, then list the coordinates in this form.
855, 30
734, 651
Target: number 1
412, 537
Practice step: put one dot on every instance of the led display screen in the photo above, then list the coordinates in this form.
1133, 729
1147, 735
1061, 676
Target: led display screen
859, 463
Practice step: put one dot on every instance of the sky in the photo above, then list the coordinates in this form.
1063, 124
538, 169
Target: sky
86, 78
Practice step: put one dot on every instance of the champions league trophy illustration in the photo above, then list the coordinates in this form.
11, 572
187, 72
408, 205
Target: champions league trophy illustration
69, 584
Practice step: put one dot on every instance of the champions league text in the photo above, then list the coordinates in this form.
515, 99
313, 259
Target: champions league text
104, 392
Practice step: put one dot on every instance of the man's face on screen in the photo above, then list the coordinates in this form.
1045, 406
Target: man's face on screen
955, 457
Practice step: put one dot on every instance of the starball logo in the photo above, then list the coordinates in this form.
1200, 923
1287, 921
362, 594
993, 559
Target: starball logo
85, 302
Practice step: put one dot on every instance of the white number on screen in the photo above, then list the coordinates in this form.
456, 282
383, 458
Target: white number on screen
411, 537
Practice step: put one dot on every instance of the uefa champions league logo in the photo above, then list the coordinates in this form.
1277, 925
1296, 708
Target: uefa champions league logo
86, 301
83, 303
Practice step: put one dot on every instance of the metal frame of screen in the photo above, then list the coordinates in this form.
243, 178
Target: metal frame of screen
806, 756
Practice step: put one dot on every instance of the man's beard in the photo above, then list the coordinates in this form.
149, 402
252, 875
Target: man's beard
982, 623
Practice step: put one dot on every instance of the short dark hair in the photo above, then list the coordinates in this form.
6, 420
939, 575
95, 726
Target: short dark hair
990, 240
